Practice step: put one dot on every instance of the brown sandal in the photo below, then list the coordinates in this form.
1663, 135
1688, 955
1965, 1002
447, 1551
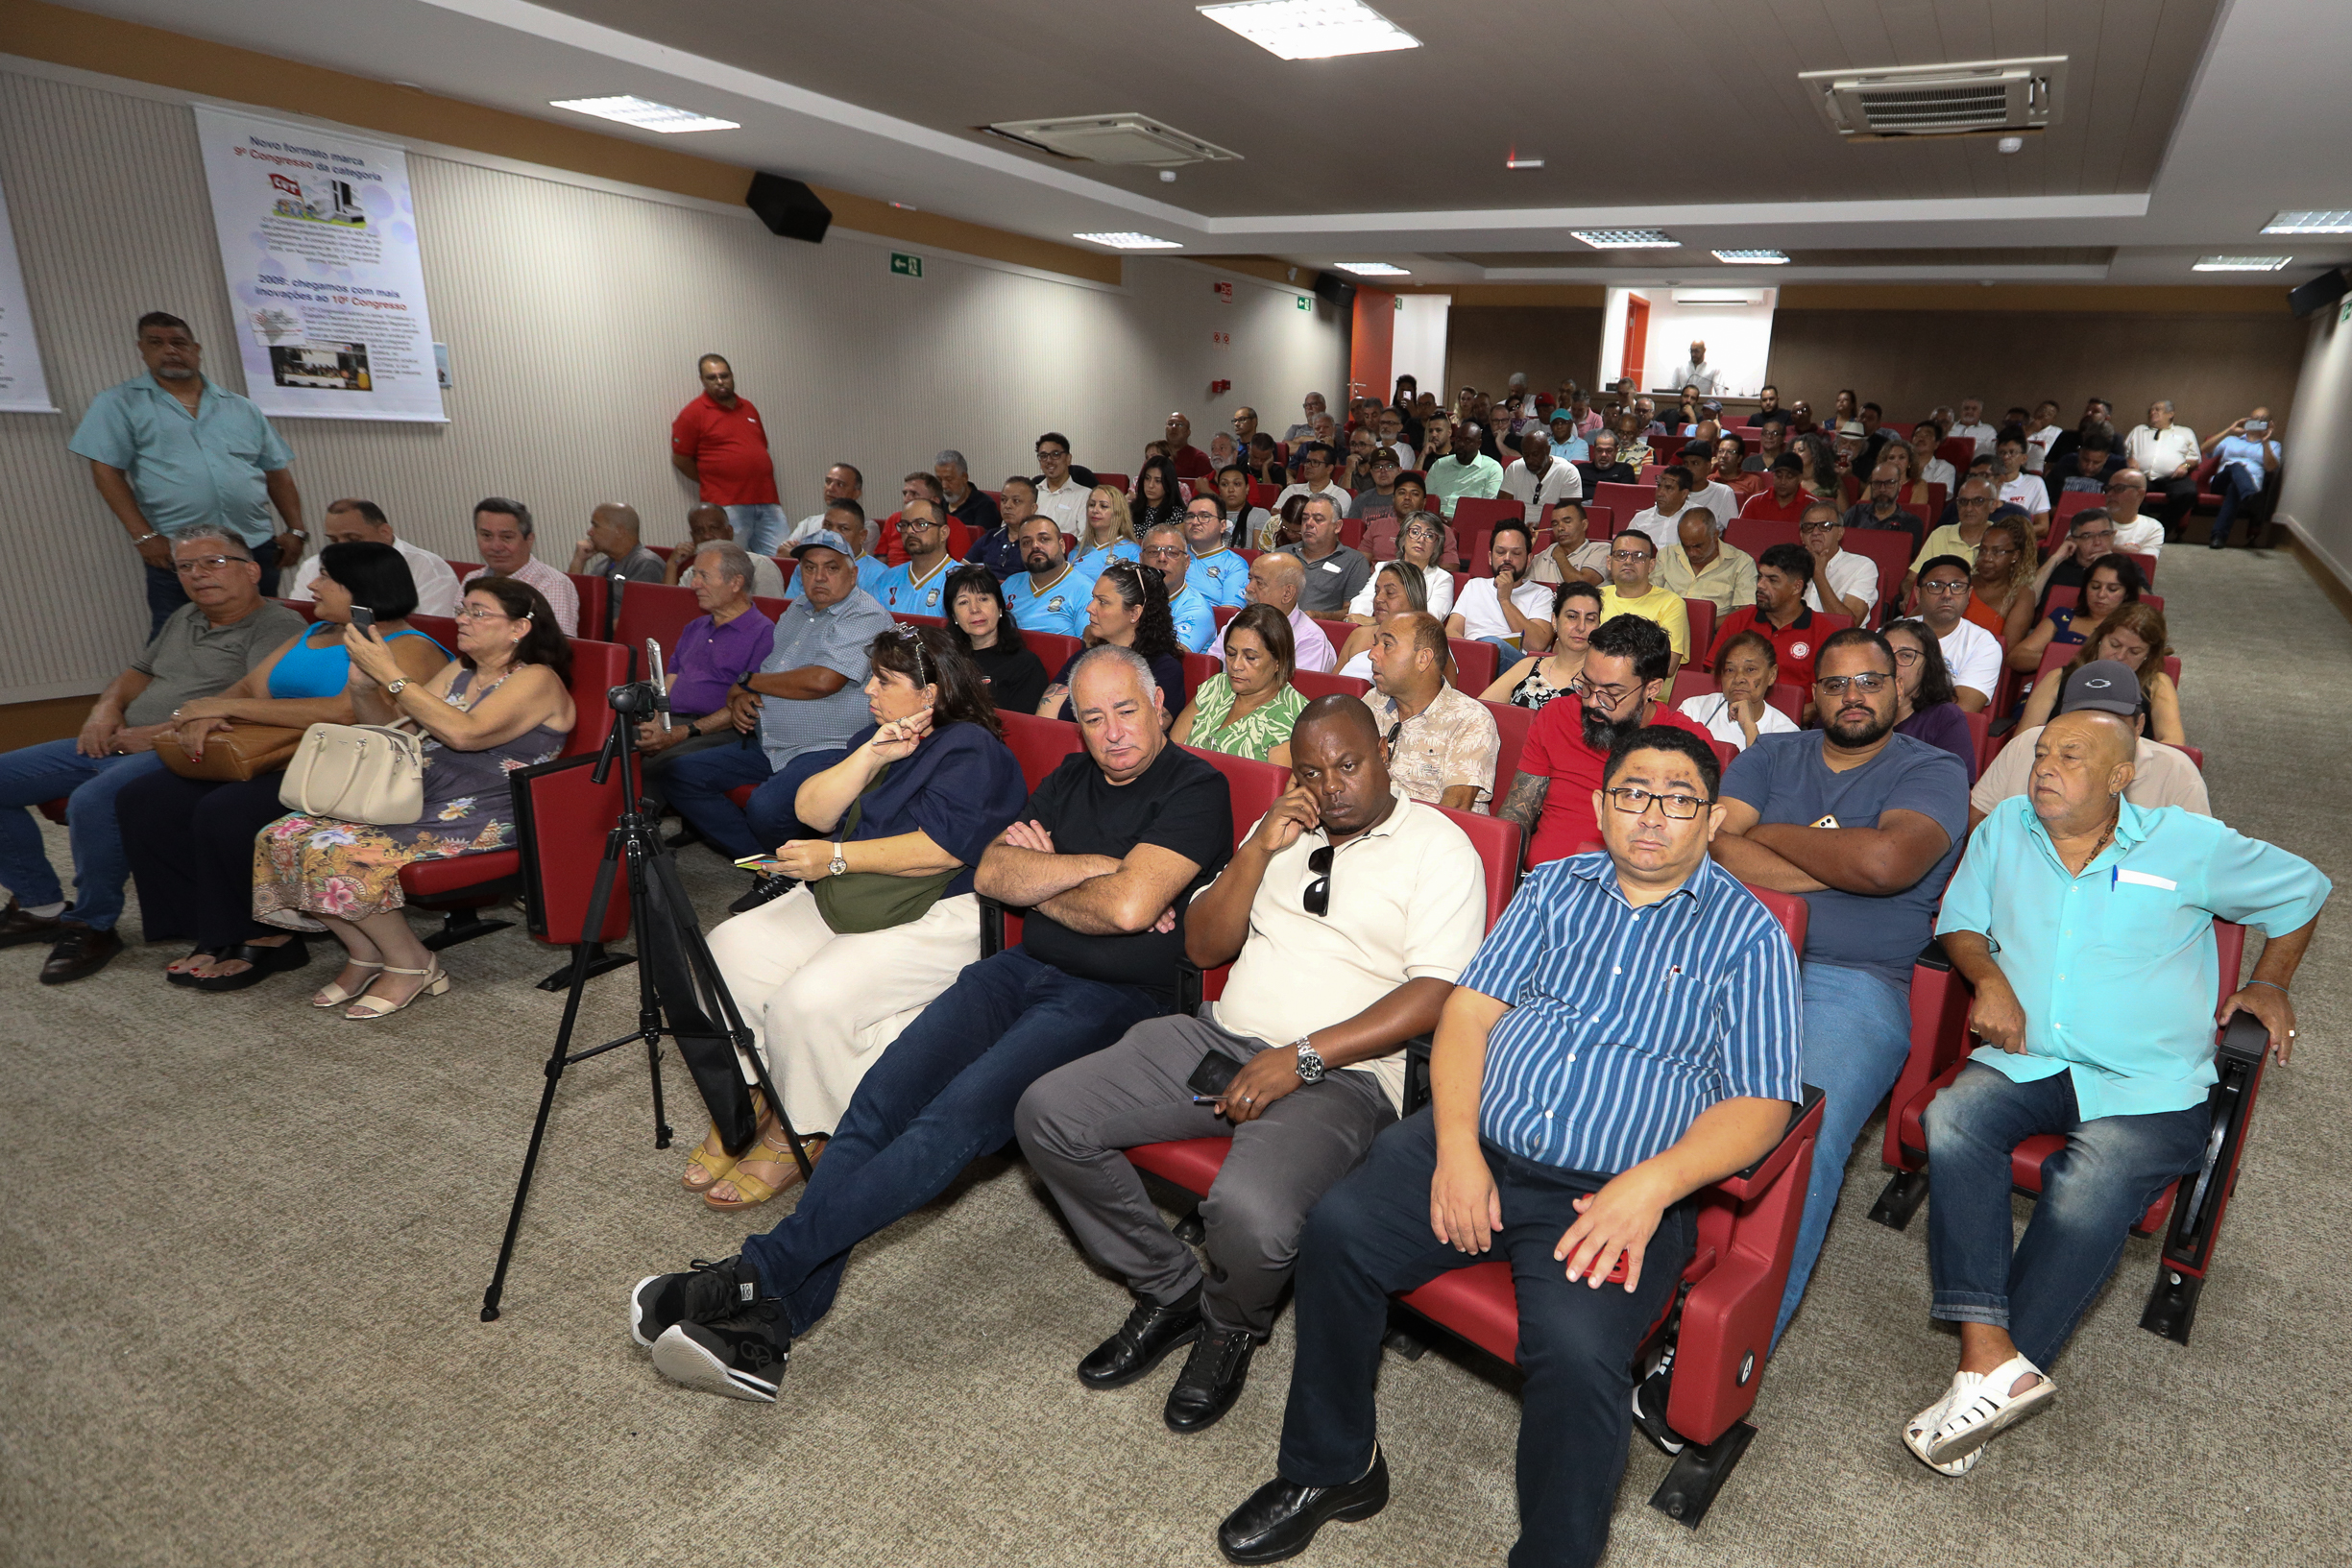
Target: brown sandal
711, 1168
750, 1190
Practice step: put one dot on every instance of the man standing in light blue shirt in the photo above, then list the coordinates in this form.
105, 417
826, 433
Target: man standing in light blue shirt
2250, 454
1464, 470
1165, 550
2085, 924
170, 451
1052, 594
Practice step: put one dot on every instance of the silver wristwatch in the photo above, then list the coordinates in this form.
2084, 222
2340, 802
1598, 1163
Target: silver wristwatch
838, 866
1311, 1067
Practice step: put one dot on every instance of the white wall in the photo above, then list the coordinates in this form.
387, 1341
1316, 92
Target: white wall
1738, 340
575, 309
1418, 350
2318, 444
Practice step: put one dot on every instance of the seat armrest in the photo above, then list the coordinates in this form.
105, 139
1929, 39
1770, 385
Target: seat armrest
1767, 1169
1188, 987
2244, 1039
991, 927
1416, 1072
1933, 955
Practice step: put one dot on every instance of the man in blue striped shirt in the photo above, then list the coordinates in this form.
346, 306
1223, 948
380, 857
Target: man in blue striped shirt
1627, 1034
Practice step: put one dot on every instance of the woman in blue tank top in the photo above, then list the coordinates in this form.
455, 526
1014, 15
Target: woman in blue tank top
190, 841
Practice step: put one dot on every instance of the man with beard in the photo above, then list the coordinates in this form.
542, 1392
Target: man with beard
1866, 824
1050, 595
1622, 687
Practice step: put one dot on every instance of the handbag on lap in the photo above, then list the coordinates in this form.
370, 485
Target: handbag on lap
235, 755
369, 773
857, 901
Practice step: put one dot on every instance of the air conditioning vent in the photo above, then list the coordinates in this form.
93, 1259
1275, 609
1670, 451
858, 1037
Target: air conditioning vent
1113, 138
1971, 98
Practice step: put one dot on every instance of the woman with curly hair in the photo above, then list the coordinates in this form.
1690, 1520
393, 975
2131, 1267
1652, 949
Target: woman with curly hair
1130, 610
2001, 585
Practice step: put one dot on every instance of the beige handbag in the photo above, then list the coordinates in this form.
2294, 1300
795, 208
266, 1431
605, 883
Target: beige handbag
356, 773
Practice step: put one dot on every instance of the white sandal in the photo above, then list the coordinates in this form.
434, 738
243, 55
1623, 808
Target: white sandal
1921, 1427
1976, 1414
332, 994
374, 1007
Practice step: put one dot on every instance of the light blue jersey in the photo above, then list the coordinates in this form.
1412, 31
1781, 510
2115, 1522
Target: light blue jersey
1060, 606
902, 594
1222, 577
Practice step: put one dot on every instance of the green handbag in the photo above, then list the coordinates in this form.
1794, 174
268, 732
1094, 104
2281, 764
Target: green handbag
858, 902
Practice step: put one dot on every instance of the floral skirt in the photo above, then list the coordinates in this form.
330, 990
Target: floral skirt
351, 870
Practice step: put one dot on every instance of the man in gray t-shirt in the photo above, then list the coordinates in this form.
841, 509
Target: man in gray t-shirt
203, 647
1335, 573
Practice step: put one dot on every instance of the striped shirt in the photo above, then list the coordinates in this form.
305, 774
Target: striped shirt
1626, 1022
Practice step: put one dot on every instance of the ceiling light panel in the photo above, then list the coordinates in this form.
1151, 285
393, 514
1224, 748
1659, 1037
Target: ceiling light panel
2240, 263
1130, 241
645, 115
1311, 28
1627, 239
1374, 269
2310, 223
1753, 258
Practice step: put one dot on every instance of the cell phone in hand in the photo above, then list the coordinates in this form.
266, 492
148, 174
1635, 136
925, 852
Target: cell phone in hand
2255, 427
766, 865
363, 619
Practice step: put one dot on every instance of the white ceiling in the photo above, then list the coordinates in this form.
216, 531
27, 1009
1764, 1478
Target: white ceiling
2170, 148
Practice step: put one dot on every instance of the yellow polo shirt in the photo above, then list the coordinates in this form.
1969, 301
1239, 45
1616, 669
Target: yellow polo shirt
1657, 605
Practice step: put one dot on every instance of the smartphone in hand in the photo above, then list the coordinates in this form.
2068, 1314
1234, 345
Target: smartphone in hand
363, 619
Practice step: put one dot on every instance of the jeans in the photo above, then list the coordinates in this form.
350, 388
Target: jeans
1857, 1031
1505, 645
697, 784
34, 774
2235, 488
941, 1095
770, 814
164, 594
2110, 1171
1371, 1236
760, 526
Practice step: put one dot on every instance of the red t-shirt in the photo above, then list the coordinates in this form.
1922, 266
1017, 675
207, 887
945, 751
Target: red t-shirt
1191, 463
1767, 506
728, 446
1797, 645
1555, 749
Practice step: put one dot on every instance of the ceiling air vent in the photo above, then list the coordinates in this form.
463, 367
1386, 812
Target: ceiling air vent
1113, 138
1972, 98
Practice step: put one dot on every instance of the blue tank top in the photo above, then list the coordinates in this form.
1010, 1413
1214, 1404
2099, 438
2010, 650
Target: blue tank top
310, 670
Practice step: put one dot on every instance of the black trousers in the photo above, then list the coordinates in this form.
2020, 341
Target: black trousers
2179, 499
190, 845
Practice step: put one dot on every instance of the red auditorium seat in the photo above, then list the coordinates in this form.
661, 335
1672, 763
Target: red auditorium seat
1757, 534
1697, 682
1477, 662
1701, 614
656, 611
1940, 1046
1511, 725
1038, 744
1960, 452
1891, 552
596, 606
1625, 500
1314, 683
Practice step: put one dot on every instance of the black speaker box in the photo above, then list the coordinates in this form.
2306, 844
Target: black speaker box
2318, 294
790, 208
1335, 289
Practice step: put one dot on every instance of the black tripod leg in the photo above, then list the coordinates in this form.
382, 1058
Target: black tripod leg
648, 999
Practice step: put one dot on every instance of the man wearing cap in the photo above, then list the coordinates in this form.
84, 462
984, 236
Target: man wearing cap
808, 696
1786, 501
2085, 925
1696, 372
1379, 500
2161, 775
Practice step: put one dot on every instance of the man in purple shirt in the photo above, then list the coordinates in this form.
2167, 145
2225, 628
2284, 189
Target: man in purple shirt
716, 649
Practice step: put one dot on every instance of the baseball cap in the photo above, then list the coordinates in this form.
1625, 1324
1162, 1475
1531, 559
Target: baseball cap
1789, 461
824, 539
2103, 686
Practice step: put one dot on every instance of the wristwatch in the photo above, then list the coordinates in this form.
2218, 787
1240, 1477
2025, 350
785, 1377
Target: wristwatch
1310, 1060
838, 866
397, 688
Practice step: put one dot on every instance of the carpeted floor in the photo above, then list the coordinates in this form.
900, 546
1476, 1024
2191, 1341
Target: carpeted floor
245, 1242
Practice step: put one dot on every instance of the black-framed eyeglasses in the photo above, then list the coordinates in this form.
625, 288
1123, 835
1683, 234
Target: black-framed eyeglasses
1318, 898
1676, 807
1868, 684
1608, 696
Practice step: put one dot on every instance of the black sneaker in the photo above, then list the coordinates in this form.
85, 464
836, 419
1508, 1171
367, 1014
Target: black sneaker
741, 1356
704, 1291
763, 890
1650, 1396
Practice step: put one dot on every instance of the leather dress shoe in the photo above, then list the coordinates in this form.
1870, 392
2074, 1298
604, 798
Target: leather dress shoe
1212, 1379
1143, 1342
1281, 1517
19, 929
263, 961
79, 951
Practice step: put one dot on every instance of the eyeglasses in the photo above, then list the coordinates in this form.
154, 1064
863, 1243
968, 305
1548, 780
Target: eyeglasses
1317, 900
1164, 552
1608, 695
1044, 452
1629, 555
1676, 807
1868, 684
475, 612
206, 563
2101, 536
1908, 657
1960, 587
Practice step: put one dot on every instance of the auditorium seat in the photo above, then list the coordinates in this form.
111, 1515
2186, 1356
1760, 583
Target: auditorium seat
596, 606
1701, 614
1477, 662
1626, 502
655, 610
1891, 552
1698, 683
1313, 683
1940, 1048
1511, 725
1757, 534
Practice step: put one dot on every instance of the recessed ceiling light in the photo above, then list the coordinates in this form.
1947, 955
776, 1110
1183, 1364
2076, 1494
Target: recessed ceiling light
1130, 241
1754, 258
645, 115
1374, 269
1515, 161
1627, 239
2240, 263
2310, 223
1311, 28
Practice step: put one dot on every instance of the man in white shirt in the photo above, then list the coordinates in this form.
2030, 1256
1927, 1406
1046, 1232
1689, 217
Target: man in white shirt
2040, 434
1696, 372
1971, 425
352, 522
2018, 488
1721, 500
1313, 406
1277, 578
1970, 653
1314, 460
2136, 532
2166, 455
1662, 521
842, 483
502, 538
1853, 579
1058, 496
1392, 436
1537, 479
1507, 608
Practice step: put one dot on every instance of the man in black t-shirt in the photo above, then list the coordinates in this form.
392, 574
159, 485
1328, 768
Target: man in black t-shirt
1111, 846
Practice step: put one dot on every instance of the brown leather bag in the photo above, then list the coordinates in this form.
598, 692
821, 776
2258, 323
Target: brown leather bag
232, 755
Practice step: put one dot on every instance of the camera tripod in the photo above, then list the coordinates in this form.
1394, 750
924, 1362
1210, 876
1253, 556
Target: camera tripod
679, 990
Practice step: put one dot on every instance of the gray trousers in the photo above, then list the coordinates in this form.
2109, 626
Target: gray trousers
1074, 1122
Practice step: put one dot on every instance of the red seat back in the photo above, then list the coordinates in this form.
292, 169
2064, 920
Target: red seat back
772, 609
596, 667
1475, 515
1960, 452
1256, 786
1757, 534
1624, 500
562, 816
1499, 848
656, 611
1511, 725
1886, 550
441, 628
1038, 744
1701, 614
1477, 662
1224, 613
1600, 521
1119, 482
1197, 667
1313, 683
1052, 649
596, 604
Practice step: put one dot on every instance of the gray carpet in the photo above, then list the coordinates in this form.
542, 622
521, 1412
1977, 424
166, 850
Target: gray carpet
245, 1243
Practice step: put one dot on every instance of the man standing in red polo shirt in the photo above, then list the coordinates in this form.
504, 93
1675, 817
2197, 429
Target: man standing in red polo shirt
719, 442
1783, 574
1554, 793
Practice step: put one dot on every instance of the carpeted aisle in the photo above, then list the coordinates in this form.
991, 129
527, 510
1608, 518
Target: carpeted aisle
244, 1247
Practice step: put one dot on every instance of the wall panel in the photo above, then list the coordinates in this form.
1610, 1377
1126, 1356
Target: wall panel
1551, 343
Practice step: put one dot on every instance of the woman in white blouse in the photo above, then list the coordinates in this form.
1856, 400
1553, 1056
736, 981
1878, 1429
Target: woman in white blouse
1736, 714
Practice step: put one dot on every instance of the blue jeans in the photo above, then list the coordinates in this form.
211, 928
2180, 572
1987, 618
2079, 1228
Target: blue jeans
1369, 1235
770, 816
697, 784
165, 595
2236, 488
1857, 1031
2110, 1171
760, 527
1505, 645
941, 1095
34, 774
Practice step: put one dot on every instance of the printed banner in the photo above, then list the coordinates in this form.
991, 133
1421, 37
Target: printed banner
23, 388
318, 236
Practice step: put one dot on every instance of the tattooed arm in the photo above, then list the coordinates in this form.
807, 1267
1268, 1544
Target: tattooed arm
1524, 805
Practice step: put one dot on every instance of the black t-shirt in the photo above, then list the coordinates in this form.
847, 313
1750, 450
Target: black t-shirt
1016, 679
1614, 473
1180, 804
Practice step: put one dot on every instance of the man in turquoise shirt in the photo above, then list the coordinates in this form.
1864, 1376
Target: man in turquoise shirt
2085, 924
1052, 594
1220, 573
170, 451
1166, 551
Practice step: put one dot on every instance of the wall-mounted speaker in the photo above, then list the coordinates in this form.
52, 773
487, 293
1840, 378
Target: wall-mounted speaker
2318, 294
790, 208
1335, 290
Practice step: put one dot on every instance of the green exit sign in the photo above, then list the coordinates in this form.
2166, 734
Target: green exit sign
1305, 303
904, 265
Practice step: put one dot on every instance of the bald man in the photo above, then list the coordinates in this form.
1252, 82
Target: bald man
1277, 578
611, 546
709, 524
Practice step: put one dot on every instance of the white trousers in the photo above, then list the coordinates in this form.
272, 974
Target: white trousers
822, 1007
